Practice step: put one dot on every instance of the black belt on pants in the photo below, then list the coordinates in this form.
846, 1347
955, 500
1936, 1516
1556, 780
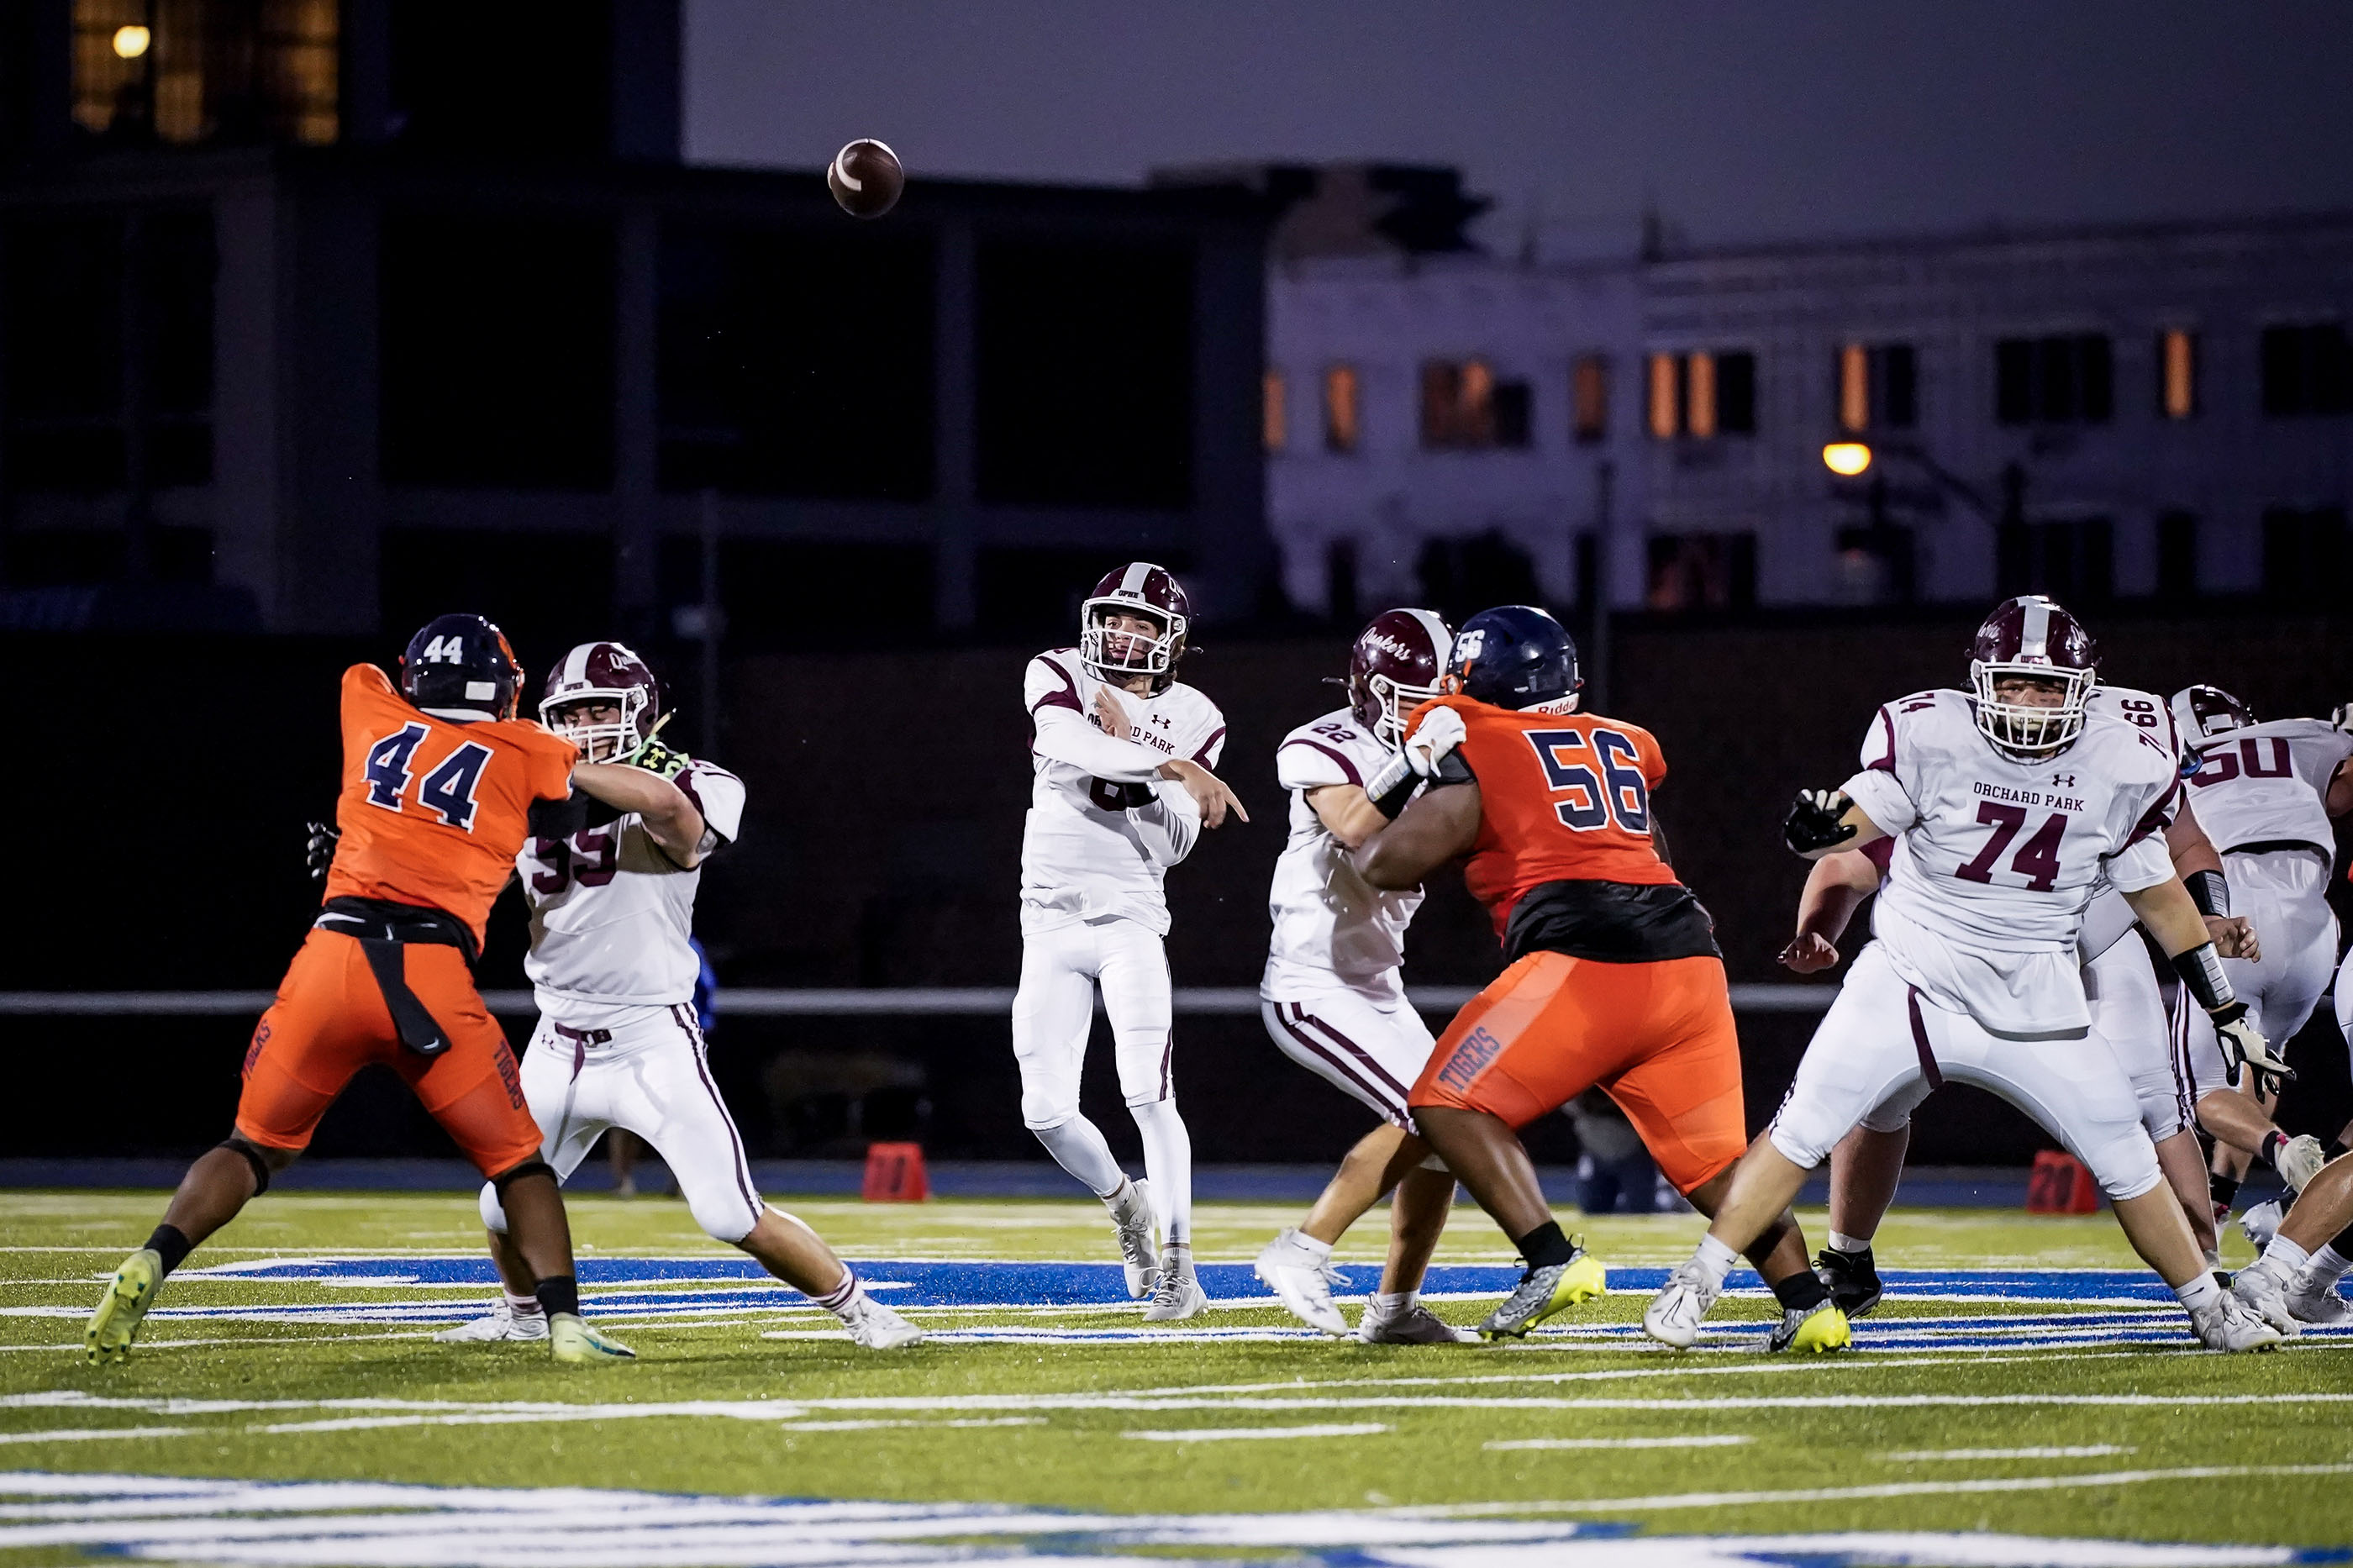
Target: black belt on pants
382, 927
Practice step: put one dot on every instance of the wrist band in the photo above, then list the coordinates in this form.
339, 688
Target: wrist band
2202, 971
2209, 892
1390, 788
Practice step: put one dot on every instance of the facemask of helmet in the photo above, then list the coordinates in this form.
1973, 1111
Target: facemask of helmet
1112, 654
2024, 732
599, 741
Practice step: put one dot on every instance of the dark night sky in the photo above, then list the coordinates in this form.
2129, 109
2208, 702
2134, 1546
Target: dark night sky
1742, 120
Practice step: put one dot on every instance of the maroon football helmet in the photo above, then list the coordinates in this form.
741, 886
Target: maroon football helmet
1138, 588
2034, 637
2202, 713
604, 673
1394, 668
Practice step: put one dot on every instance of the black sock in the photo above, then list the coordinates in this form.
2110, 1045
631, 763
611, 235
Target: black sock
1546, 1246
2274, 1142
2225, 1189
1801, 1291
174, 1246
2336, 1150
2343, 1242
560, 1294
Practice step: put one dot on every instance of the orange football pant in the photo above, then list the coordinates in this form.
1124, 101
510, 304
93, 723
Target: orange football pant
330, 1020
1658, 1037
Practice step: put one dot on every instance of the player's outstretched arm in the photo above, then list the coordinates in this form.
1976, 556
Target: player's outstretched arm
669, 816
1821, 821
1835, 889
1211, 793
1437, 824
2200, 867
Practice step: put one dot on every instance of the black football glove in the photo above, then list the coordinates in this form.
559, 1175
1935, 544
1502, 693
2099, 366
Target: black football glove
320, 852
654, 757
1814, 821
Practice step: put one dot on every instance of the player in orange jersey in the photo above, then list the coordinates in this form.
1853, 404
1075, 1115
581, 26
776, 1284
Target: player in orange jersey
1615, 976
441, 783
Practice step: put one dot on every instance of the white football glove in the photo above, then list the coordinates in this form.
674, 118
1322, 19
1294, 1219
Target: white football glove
2342, 717
2244, 1050
1427, 746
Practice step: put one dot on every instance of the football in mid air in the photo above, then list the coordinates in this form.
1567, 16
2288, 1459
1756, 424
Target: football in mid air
866, 179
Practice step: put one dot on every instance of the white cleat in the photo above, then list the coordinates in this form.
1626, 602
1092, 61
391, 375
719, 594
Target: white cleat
2262, 1292
1303, 1287
1139, 1252
2228, 1326
501, 1325
2262, 1223
1175, 1296
1416, 1325
877, 1327
1674, 1314
2299, 1160
2311, 1300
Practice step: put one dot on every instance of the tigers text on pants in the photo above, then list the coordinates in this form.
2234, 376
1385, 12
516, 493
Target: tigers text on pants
641, 1069
1054, 1011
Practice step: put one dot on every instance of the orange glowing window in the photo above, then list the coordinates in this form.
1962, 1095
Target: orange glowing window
1699, 394
1340, 417
1271, 426
1665, 405
2176, 359
1854, 388
1589, 398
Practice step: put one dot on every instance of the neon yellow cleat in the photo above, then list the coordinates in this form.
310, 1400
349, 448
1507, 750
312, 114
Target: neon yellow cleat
572, 1341
120, 1310
1544, 1291
1821, 1330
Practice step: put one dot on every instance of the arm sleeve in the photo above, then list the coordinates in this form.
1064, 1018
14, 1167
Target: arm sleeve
718, 794
1065, 735
1304, 762
1208, 752
1880, 787
1653, 760
1170, 826
551, 767
2143, 863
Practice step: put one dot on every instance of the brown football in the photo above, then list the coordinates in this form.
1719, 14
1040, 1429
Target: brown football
866, 179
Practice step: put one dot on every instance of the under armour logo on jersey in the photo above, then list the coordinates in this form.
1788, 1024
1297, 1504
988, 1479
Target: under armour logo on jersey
1162, 719
2063, 781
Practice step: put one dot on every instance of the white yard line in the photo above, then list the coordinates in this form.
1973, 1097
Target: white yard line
1721, 1440
2089, 1451
1236, 1434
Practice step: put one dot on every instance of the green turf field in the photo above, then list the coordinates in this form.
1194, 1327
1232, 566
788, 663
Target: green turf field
2040, 1417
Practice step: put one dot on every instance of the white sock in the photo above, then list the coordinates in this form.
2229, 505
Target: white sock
1168, 1165
1842, 1242
2328, 1266
1079, 1148
1316, 1252
1387, 1306
1176, 1257
844, 1296
520, 1306
2202, 1290
2283, 1257
1716, 1258
2213, 1258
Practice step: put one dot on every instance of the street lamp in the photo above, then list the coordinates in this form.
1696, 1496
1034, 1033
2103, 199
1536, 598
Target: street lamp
1846, 458
132, 41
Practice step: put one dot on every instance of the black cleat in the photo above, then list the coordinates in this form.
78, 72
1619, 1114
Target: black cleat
1852, 1282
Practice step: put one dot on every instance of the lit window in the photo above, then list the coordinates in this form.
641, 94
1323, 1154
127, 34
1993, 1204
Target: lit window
185, 72
1665, 405
2177, 360
1589, 393
1475, 420
1854, 388
1340, 425
1699, 394
1271, 421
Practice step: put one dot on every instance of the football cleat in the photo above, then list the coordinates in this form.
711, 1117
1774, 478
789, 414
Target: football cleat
1131, 1217
120, 1311
1416, 1325
1303, 1287
2312, 1300
2299, 1160
1820, 1330
572, 1341
1674, 1314
877, 1327
2228, 1326
502, 1323
2262, 1223
1851, 1278
1175, 1295
2262, 1292
1546, 1291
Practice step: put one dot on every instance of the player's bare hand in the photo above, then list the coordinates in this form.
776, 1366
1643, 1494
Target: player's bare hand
1809, 953
1110, 715
1210, 792
2235, 937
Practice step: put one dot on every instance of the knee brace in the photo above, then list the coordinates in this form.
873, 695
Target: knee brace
252, 1155
494, 1213
532, 1167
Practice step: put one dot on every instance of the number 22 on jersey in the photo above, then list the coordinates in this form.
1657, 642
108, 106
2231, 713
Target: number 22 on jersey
448, 790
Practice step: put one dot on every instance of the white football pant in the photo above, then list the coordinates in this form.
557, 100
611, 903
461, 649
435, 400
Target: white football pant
640, 1070
1369, 1048
1882, 1042
2128, 1012
2284, 896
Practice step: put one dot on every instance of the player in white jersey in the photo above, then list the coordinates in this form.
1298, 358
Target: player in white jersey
1122, 752
2007, 804
1334, 993
618, 1045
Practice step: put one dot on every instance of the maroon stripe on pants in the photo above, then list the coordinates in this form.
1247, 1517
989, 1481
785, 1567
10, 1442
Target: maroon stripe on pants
1372, 1063
1920, 1039
702, 1070
1290, 1014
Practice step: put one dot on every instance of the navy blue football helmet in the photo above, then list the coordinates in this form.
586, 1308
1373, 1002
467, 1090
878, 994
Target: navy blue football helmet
1515, 655
461, 665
